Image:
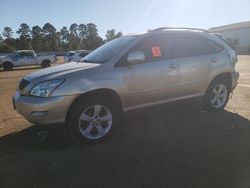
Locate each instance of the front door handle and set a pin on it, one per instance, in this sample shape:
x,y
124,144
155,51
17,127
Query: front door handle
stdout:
x,y
172,65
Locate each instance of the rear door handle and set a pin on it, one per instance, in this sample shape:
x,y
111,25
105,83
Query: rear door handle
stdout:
x,y
172,65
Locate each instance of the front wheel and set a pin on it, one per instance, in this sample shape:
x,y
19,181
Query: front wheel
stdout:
x,y
7,66
217,96
45,64
92,119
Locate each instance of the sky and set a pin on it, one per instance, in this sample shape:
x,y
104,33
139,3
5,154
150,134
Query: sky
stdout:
x,y
128,16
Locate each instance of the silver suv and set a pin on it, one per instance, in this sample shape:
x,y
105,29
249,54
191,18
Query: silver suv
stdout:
x,y
161,66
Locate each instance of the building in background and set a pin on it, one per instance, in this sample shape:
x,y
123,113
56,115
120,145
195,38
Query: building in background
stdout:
x,y
238,34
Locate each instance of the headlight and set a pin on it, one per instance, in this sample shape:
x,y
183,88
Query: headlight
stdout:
x,y
45,89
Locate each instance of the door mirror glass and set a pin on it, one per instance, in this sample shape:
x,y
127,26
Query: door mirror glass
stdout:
x,y
136,57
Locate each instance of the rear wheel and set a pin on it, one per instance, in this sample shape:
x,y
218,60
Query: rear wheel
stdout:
x,y
92,119
7,66
217,95
45,64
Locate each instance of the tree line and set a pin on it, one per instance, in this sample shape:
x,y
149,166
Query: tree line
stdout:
x,y
47,38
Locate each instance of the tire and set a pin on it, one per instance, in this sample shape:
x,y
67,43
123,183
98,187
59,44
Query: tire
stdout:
x,y
7,66
45,64
91,119
71,60
217,95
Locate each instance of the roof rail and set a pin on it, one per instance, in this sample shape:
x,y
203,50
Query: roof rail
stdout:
x,y
183,28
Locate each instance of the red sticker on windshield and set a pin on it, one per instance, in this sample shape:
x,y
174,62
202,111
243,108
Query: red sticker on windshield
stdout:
x,y
156,51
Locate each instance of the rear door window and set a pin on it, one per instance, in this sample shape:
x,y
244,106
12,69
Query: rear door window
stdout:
x,y
189,46
210,47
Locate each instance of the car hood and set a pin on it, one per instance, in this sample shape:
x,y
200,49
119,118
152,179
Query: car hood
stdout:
x,y
60,70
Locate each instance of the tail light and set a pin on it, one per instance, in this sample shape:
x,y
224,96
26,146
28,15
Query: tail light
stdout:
x,y
233,57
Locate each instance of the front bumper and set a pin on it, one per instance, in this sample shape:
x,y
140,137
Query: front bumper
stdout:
x,y
40,110
235,78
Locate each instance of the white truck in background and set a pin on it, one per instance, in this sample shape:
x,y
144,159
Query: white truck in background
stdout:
x,y
25,58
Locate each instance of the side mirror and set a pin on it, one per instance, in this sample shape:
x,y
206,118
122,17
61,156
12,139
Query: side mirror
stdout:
x,y
135,57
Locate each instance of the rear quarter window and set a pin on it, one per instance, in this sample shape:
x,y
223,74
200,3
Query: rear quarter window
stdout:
x,y
211,47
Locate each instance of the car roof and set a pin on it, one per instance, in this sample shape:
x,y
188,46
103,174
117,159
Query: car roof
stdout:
x,y
178,29
162,30
24,51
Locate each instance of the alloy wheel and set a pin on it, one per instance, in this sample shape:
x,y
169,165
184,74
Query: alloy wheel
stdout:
x,y
95,121
218,96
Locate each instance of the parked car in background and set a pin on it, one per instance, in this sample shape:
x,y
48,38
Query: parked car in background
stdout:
x,y
25,58
69,56
161,66
75,55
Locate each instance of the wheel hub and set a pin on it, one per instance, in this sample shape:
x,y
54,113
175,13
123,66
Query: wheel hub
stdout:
x,y
97,118
218,96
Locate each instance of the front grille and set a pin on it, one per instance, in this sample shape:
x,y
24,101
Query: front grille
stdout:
x,y
23,84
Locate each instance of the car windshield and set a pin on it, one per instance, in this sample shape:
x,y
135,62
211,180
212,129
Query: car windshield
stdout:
x,y
105,52
15,53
